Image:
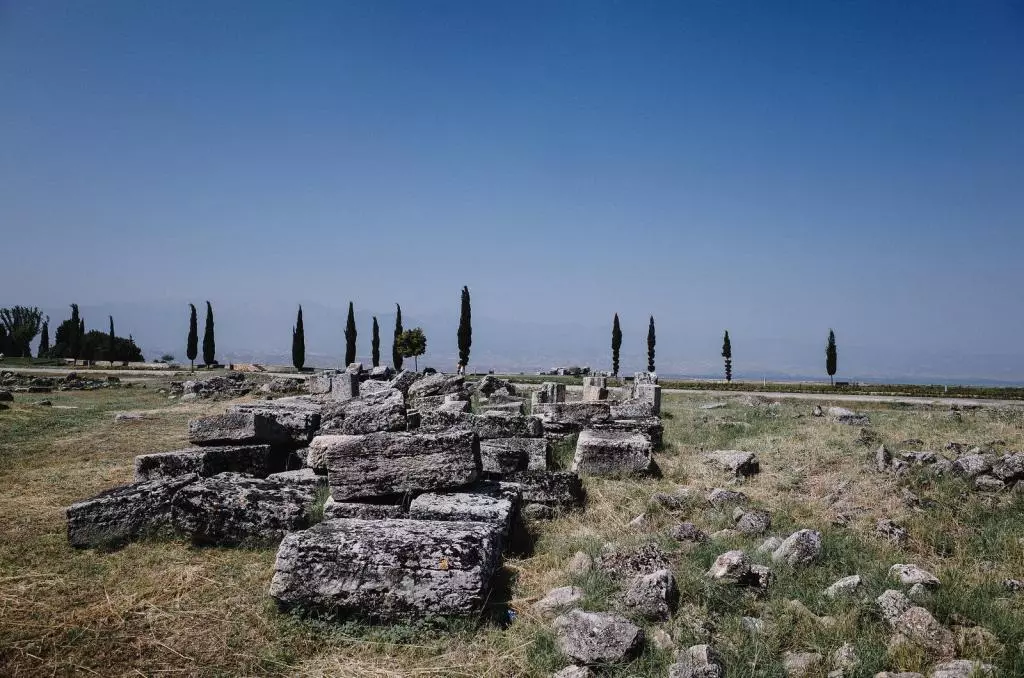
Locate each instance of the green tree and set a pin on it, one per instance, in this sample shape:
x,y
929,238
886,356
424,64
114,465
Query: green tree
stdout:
x,y
67,339
88,347
209,343
831,357
396,352
111,342
650,345
616,344
298,342
96,342
192,345
375,344
44,339
465,329
412,344
350,336
22,324
5,341
727,354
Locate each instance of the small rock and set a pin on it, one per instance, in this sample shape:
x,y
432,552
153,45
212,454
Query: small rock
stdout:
x,y
921,628
698,661
799,548
1013,585
720,497
735,461
891,604
802,664
976,641
661,640
671,502
962,668
575,672
731,567
891,531
580,563
845,660
971,465
911,574
129,416
845,587
987,483
597,637
918,593
562,597
753,625
769,545
882,458
688,532
841,415
653,596
754,522
760,577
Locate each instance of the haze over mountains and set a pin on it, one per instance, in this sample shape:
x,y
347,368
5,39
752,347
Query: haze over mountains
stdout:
x,y
261,333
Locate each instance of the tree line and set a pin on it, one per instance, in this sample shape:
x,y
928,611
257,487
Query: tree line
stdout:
x,y
20,325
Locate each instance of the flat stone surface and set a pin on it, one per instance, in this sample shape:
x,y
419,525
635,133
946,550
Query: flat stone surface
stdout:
x,y
388,569
299,417
372,413
346,509
508,455
257,460
487,426
237,428
464,507
601,453
559,598
556,489
124,513
597,637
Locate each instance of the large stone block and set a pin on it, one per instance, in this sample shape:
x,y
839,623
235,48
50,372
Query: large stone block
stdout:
x,y
487,426
335,384
650,394
257,460
649,426
633,409
300,418
512,408
602,453
595,389
231,508
554,490
570,417
388,569
508,455
124,513
549,392
436,384
464,506
365,511
383,411
384,464
237,428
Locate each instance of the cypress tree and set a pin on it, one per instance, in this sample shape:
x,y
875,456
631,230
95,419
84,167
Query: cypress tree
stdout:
x,y
192,346
111,341
209,344
84,349
375,344
616,344
831,357
396,351
465,329
727,354
298,343
75,333
350,336
650,345
44,340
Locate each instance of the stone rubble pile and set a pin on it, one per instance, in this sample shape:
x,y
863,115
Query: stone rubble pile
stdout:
x,y
982,466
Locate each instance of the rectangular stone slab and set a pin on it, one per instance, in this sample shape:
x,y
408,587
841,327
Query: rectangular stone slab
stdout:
x,y
299,418
604,453
487,426
388,569
257,460
508,455
237,428
478,508
385,464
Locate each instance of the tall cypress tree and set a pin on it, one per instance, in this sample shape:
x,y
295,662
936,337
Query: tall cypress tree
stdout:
x,y
831,357
84,347
75,334
209,344
192,346
727,354
375,344
350,336
616,344
650,345
465,329
396,351
44,340
111,341
298,343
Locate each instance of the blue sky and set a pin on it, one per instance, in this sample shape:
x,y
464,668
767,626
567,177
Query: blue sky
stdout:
x,y
772,168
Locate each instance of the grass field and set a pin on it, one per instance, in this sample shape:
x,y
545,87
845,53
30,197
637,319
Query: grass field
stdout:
x,y
167,607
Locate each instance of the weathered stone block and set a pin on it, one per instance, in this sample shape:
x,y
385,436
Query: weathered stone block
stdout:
x,y
345,509
632,409
478,508
237,428
601,453
557,490
650,394
648,426
508,455
486,426
257,460
383,411
436,384
299,418
388,569
124,513
570,417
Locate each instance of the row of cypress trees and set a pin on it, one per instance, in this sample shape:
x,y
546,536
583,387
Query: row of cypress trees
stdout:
x,y
617,344
209,343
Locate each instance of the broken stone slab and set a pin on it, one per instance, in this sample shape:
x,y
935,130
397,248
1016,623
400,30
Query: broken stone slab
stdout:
x,y
841,415
632,409
649,426
403,380
231,509
454,406
603,453
736,462
478,508
508,455
486,426
384,464
388,569
382,411
365,511
124,513
650,394
302,476
238,428
556,490
1010,467
570,417
490,383
437,384
334,385
597,637
257,460
514,408
652,596
300,418
971,465
549,392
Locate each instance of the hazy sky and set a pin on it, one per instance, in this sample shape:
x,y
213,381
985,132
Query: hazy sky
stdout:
x,y
774,168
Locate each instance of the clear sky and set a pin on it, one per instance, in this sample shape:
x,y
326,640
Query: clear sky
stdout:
x,y
772,168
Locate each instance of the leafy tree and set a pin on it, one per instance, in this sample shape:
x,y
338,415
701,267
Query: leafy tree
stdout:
x,y
209,343
465,329
831,357
96,343
298,342
350,336
727,354
22,324
192,345
375,343
44,339
165,358
616,344
396,353
650,345
412,344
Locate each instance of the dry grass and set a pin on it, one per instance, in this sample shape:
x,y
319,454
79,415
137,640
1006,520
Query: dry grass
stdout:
x,y
167,607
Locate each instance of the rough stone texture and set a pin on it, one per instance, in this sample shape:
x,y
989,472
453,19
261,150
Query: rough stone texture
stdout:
x,y
490,384
454,406
735,461
345,509
556,599
124,513
388,569
381,373
632,409
688,532
508,455
847,586
971,465
575,672
891,604
383,411
257,460
882,458
1010,467
487,426
300,418
921,628
595,389
962,668
769,545
800,548
335,385
402,381
464,507
732,567
237,428
888,529
382,464
436,384
900,674
625,563
580,563
601,453
802,664
754,522
720,497
652,596
651,427
569,417
557,490
698,661
597,637
911,574
510,408
845,661
231,508
549,392
841,415
302,476
650,394
986,483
